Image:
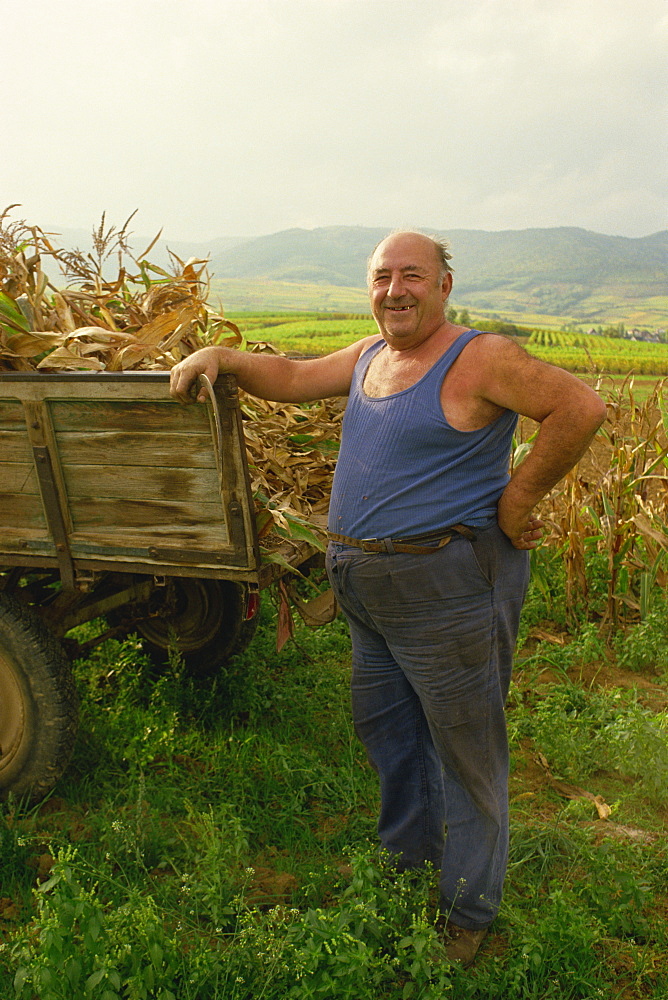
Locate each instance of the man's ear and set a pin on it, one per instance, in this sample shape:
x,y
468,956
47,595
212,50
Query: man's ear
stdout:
x,y
446,286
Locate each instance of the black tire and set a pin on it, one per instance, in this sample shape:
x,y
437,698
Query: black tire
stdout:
x,y
38,703
201,620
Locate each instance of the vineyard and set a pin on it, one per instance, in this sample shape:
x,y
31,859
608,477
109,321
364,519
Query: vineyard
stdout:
x,y
579,352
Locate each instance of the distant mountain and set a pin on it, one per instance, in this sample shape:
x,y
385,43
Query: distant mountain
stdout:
x,y
333,255
482,260
565,271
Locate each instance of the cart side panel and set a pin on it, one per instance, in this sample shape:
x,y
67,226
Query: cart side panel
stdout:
x,y
138,479
125,499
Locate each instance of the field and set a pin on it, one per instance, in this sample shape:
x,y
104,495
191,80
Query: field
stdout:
x,y
289,296
215,839
315,333
582,353
607,307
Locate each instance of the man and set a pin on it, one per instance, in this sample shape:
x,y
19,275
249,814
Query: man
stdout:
x,y
429,554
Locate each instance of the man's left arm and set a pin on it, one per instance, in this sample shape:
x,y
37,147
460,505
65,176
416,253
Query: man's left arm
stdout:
x,y
569,414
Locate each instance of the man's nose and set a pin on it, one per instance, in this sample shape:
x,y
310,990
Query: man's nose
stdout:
x,y
396,287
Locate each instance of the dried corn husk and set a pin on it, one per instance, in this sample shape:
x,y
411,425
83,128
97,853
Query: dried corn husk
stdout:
x,y
151,319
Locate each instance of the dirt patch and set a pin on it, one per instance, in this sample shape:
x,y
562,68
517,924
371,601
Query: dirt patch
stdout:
x,y
608,676
269,887
594,674
9,910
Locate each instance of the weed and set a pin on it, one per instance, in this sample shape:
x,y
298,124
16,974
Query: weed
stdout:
x,y
545,598
14,853
556,951
581,731
586,646
536,853
214,847
377,933
644,646
84,948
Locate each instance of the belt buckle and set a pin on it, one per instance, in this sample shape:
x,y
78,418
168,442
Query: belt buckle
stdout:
x,y
371,541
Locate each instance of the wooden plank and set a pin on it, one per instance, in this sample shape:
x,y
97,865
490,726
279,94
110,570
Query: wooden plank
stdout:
x,y
14,446
26,539
138,447
162,547
64,386
120,564
145,484
202,553
176,550
119,415
126,438
18,477
21,510
29,561
90,512
11,415
163,536
135,545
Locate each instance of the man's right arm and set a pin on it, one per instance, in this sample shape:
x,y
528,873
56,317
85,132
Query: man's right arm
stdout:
x,y
270,376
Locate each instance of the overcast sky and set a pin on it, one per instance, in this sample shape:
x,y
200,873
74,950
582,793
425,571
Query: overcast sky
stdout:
x,y
218,118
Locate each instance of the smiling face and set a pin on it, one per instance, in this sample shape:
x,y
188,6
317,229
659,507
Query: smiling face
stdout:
x,y
407,289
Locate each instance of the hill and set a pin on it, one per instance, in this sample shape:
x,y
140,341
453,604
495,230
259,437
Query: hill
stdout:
x,y
563,271
482,260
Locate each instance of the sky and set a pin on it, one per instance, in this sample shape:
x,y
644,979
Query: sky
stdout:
x,y
215,118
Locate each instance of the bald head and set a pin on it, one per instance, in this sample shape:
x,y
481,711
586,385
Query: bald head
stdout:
x,y
439,249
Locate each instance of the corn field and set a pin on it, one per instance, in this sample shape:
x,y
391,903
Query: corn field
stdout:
x,y
614,503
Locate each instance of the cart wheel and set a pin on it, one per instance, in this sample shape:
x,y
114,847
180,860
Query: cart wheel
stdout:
x,y
202,620
38,703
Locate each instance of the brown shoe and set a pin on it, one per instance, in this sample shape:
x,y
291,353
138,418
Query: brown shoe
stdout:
x,y
461,944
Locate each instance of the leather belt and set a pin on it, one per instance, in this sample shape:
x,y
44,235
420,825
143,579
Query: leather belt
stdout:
x,y
415,545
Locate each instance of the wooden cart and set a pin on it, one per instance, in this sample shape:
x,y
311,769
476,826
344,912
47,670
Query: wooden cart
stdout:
x,y
116,501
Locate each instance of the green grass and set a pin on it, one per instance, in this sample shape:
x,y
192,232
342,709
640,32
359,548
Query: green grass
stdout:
x,y
216,839
314,335
270,296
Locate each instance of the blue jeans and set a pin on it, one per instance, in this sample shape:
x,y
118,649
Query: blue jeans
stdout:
x,y
433,638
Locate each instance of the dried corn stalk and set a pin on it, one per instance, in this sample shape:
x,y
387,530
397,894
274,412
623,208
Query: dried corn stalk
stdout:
x,y
146,318
615,502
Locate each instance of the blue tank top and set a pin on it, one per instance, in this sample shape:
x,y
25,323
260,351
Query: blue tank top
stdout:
x,y
404,470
